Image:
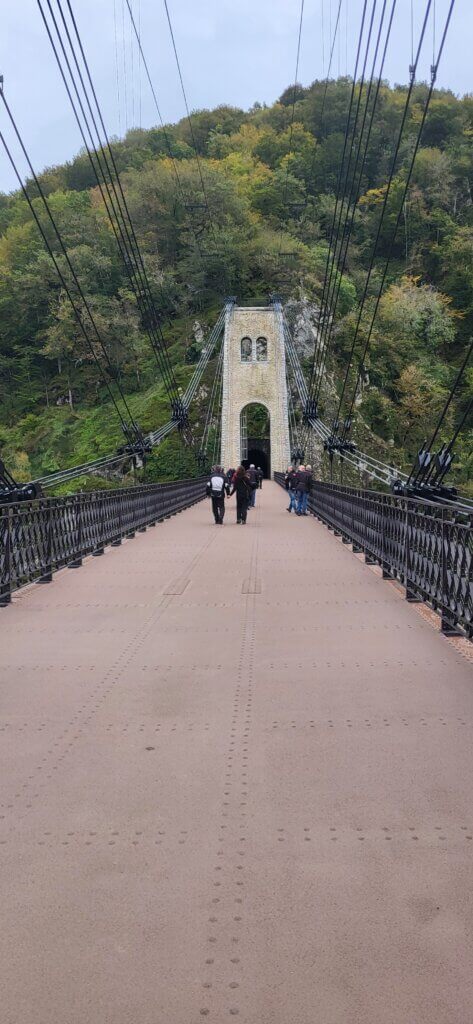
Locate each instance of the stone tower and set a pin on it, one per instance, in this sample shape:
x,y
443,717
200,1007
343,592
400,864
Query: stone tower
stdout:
x,y
254,371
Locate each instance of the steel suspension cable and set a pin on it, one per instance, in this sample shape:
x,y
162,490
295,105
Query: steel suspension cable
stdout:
x,y
399,215
354,197
116,67
139,60
446,407
340,173
163,126
64,283
76,310
151,439
115,182
132,82
339,232
293,427
383,471
125,82
211,405
327,78
189,119
206,355
111,199
217,447
291,130
387,192
119,194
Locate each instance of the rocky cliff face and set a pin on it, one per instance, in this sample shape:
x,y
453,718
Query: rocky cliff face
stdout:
x,y
302,318
198,332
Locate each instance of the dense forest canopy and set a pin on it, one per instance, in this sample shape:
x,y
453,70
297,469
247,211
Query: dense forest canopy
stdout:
x,y
269,188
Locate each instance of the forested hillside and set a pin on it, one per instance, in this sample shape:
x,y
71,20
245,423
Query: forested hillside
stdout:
x,y
270,190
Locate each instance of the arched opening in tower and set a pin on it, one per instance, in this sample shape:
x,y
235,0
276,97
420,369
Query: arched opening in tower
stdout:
x,y
255,432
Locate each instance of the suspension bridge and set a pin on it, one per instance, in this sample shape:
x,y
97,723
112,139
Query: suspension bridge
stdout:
x,y
236,765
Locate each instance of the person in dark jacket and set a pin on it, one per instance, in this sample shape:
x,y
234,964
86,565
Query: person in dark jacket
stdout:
x,y
229,477
290,480
253,478
216,487
241,486
304,480
260,475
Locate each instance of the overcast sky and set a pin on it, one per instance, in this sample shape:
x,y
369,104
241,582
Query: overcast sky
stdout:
x,y
231,51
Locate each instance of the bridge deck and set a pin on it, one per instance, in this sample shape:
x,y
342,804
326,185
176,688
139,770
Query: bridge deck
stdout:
x,y
237,781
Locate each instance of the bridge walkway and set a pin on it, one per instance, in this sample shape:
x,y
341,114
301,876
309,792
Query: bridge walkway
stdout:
x,y
236,783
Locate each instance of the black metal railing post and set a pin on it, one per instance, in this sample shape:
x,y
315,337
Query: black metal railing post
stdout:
x,y
99,549
384,561
115,543
369,559
412,594
47,575
77,560
142,526
447,621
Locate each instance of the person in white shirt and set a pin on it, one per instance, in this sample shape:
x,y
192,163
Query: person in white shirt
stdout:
x,y
216,487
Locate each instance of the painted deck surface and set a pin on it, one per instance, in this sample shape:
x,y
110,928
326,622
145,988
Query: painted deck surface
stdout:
x,y
236,783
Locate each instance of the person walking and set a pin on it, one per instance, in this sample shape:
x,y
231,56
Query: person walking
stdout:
x,y
260,475
253,478
229,477
241,486
304,480
216,487
290,481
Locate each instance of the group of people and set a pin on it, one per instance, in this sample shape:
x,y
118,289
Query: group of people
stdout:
x,y
242,482
298,483
245,482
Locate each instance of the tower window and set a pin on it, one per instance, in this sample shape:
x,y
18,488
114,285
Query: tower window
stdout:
x,y
261,350
246,350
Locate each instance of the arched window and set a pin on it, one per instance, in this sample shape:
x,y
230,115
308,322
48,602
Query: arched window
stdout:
x,y
261,350
246,350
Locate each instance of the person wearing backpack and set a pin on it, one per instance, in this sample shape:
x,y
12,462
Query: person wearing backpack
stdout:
x,y
216,487
253,478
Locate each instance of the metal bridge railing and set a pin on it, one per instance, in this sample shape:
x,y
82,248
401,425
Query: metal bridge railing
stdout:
x,y
427,546
39,537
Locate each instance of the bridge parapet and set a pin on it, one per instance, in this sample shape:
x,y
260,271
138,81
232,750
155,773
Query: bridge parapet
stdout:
x,y
427,546
39,537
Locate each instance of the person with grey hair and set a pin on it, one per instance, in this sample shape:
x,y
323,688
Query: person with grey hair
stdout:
x,y
216,487
304,480
253,478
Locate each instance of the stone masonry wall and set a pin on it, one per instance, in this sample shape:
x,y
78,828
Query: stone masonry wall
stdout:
x,y
263,382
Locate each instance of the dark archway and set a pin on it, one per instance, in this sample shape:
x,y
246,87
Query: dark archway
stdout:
x,y
260,458
255,430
